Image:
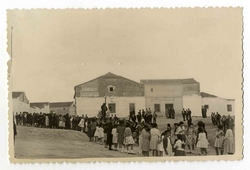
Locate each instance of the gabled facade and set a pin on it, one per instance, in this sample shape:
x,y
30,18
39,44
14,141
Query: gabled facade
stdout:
x,y
20,102
120,94
62,108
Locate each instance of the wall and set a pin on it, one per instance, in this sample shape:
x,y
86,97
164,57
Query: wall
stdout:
x,y
163,91
19,106
45,109
63,110
91,106
191,89
193,103
177,102
218,105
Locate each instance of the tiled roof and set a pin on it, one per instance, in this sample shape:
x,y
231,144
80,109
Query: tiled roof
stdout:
x,y
60,104
39,105
107,75
16,94
203,94
169,81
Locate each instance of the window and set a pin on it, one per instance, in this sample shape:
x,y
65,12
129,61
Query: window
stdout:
x,y
111,88
152,89
111,107
229,107
206,106
157,108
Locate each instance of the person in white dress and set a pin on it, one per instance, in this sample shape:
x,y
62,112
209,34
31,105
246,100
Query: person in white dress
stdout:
x,y
101,134
97,133
229,142
115,136
81,124
167,144
202,142
160,146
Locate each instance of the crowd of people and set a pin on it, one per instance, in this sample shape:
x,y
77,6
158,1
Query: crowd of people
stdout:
x,y
225,121
141,130
121,135
143,116
50,120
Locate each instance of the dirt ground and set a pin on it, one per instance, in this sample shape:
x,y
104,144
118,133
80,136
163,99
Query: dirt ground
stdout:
x,y
38,143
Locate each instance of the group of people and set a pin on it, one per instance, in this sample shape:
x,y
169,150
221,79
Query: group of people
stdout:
x,y
121,135
187,115
51,120
225,121
170,113
143,116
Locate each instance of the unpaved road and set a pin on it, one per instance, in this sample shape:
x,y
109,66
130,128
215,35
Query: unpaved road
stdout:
x,y
40,143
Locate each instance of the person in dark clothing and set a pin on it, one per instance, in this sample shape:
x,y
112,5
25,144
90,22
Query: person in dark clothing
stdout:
x,y
15,131
139,116
172,113
188,114
143,114
183,114
104,109
109,135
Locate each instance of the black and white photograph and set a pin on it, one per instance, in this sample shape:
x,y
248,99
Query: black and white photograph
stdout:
x,y
125,84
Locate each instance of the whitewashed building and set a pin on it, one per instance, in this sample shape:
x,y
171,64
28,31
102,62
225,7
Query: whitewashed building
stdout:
x,y
217,104
20,102
121,95
162,94
63,108
39,107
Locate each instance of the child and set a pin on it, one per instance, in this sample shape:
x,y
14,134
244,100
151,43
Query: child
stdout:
x,y
179,146
115,136
97,133
128,139
190,133
101,134
145,141
167,145
202,142
219,140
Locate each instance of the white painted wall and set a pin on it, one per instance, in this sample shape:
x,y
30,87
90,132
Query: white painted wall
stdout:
x,y
46,109
218,105
194,103
91,106
19,106
151,101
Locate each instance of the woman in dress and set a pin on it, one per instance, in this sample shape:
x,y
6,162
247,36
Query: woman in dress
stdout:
x,y
120,136
202,142
128,139
81,123
115,136
145,143
47,121
167,144
155,138
191,137
219,137
229,142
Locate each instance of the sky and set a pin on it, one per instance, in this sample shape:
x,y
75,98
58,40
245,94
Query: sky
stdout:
x,y
55,50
